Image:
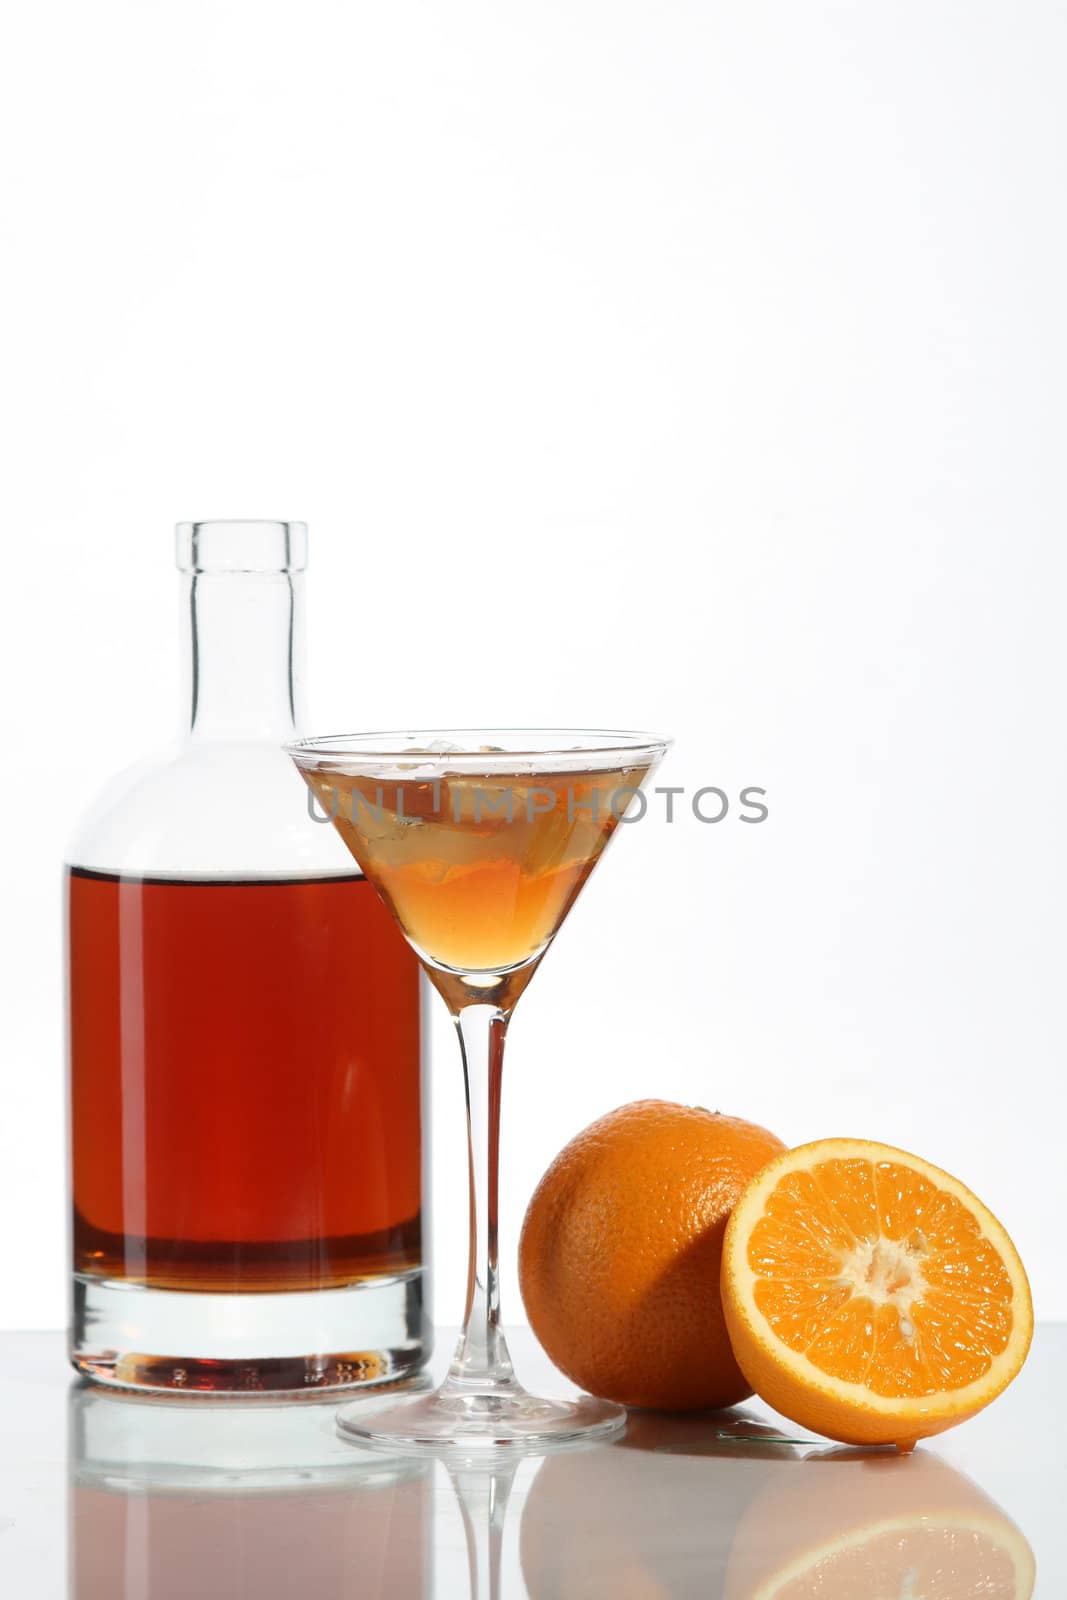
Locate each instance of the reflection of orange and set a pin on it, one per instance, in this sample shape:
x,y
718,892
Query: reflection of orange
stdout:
x,y
838,1529
673,1511
620,1252
642,1523
871,1296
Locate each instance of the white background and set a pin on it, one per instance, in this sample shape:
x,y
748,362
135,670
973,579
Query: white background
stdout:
x,y
685,365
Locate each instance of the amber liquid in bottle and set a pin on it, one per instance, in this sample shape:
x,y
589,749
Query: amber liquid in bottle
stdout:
x,y
243,1120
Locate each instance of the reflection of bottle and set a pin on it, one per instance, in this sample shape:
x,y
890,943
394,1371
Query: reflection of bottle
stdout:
x,y
245,1039
173,1502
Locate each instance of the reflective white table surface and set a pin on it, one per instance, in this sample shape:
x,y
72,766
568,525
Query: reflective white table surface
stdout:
x,y
107,1498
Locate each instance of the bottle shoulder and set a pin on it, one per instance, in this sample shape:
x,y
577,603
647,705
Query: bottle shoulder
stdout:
x,y
208,807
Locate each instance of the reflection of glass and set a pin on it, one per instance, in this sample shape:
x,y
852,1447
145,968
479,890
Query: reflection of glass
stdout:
x,y
479,844
245,1112
482,1492
216,1502
681,1508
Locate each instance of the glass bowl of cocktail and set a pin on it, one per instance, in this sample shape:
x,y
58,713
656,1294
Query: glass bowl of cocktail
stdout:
x,y
479,843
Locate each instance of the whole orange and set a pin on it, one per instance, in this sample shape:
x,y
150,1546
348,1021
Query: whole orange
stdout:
x,y
621,1249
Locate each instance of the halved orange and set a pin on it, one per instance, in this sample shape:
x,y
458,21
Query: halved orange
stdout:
x,y
870,1296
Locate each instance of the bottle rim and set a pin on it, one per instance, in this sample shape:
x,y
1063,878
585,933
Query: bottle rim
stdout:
x,y
241,545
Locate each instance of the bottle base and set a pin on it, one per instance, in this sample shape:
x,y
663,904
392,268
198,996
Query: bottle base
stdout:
x,y
168,1341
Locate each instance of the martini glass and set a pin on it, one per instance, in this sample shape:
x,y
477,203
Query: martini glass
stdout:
x,y
479,844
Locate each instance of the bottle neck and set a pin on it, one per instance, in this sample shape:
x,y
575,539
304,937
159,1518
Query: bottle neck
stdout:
x,y
244,654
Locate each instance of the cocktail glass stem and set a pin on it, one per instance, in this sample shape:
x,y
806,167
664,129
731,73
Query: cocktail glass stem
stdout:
x,y
481,1364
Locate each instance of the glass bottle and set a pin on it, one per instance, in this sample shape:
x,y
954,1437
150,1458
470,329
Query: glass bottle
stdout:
x,y
246,1072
